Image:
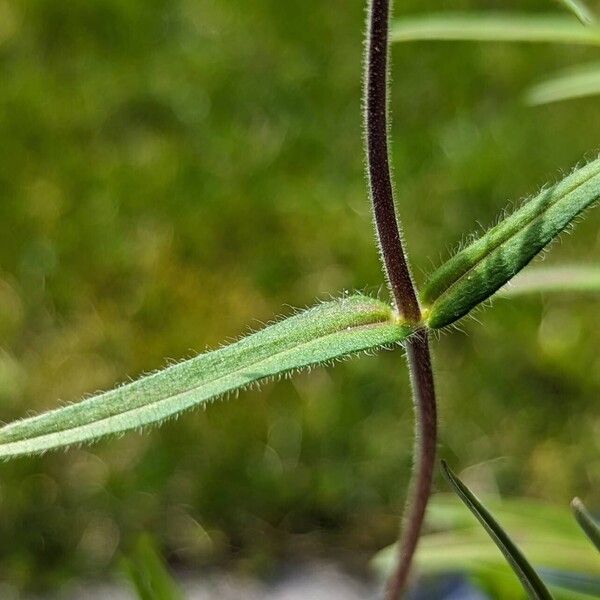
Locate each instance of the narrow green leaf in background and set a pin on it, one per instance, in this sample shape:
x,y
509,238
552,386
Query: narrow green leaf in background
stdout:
x,y
328,331
580,10
494,27
562,279
484,266
577,82
456,543
148,573
532,584
586,521
573,586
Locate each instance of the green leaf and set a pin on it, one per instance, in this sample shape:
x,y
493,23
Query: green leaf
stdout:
x,y
564,278
579,9
326,332
494,27
577,82
148,573
484,266
586,522
455,542
578,586
530,580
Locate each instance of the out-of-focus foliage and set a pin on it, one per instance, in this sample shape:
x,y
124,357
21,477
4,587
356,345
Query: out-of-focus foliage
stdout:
x,y
172,174
148,574
565,279
580,10
494,26
587,522
533,586
548,536
575,82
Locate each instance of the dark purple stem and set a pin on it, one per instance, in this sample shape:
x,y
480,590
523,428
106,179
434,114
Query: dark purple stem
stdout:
x,y
401,286
421,375
380,181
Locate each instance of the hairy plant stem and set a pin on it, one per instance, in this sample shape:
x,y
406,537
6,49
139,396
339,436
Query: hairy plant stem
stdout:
x,y
401,286
380,181
421,375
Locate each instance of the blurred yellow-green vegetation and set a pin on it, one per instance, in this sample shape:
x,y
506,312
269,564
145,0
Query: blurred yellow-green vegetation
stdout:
x,y
173,175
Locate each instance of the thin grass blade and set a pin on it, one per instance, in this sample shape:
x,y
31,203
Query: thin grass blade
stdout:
x,y
530,580
494,27
148,573
321,334
455,542
579,9
586,522
484,266
561,279
569,84
576,585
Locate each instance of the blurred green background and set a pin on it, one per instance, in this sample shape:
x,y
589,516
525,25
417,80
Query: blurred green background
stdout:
x,y
175,173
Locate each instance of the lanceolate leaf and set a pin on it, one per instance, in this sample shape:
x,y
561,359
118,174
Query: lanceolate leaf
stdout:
x,y
455,542
323,333
148,573
576,82
530,580
476,272
580,10
587,522
561,279
495,27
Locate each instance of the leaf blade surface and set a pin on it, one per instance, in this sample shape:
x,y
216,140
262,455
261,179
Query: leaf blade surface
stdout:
x,y
494,27
480,269
323,333
530,580
590,527
575,278
580,10
576,82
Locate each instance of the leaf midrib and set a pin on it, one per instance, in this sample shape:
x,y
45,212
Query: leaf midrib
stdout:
x,y
213,381
507,239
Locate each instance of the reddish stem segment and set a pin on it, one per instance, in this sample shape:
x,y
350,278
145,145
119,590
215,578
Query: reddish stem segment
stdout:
x,y
401,286
380,182
421,374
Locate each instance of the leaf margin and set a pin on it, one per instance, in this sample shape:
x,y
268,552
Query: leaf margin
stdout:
x,y
493,26
529,578
480,269
587,523
328,331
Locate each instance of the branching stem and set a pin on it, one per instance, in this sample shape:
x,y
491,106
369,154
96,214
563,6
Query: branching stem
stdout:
x,y
401,286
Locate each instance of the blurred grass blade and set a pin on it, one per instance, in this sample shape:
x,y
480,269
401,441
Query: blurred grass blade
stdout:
x,y
494,27
148,573
572,83
529,578
564,278
579,9
484,266
455,542
577,585
586,522
326,332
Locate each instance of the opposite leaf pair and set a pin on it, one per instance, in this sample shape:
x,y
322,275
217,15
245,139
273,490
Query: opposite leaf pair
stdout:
x,y
329,331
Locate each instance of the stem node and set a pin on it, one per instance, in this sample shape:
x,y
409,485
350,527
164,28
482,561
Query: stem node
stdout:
x,y
401,286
